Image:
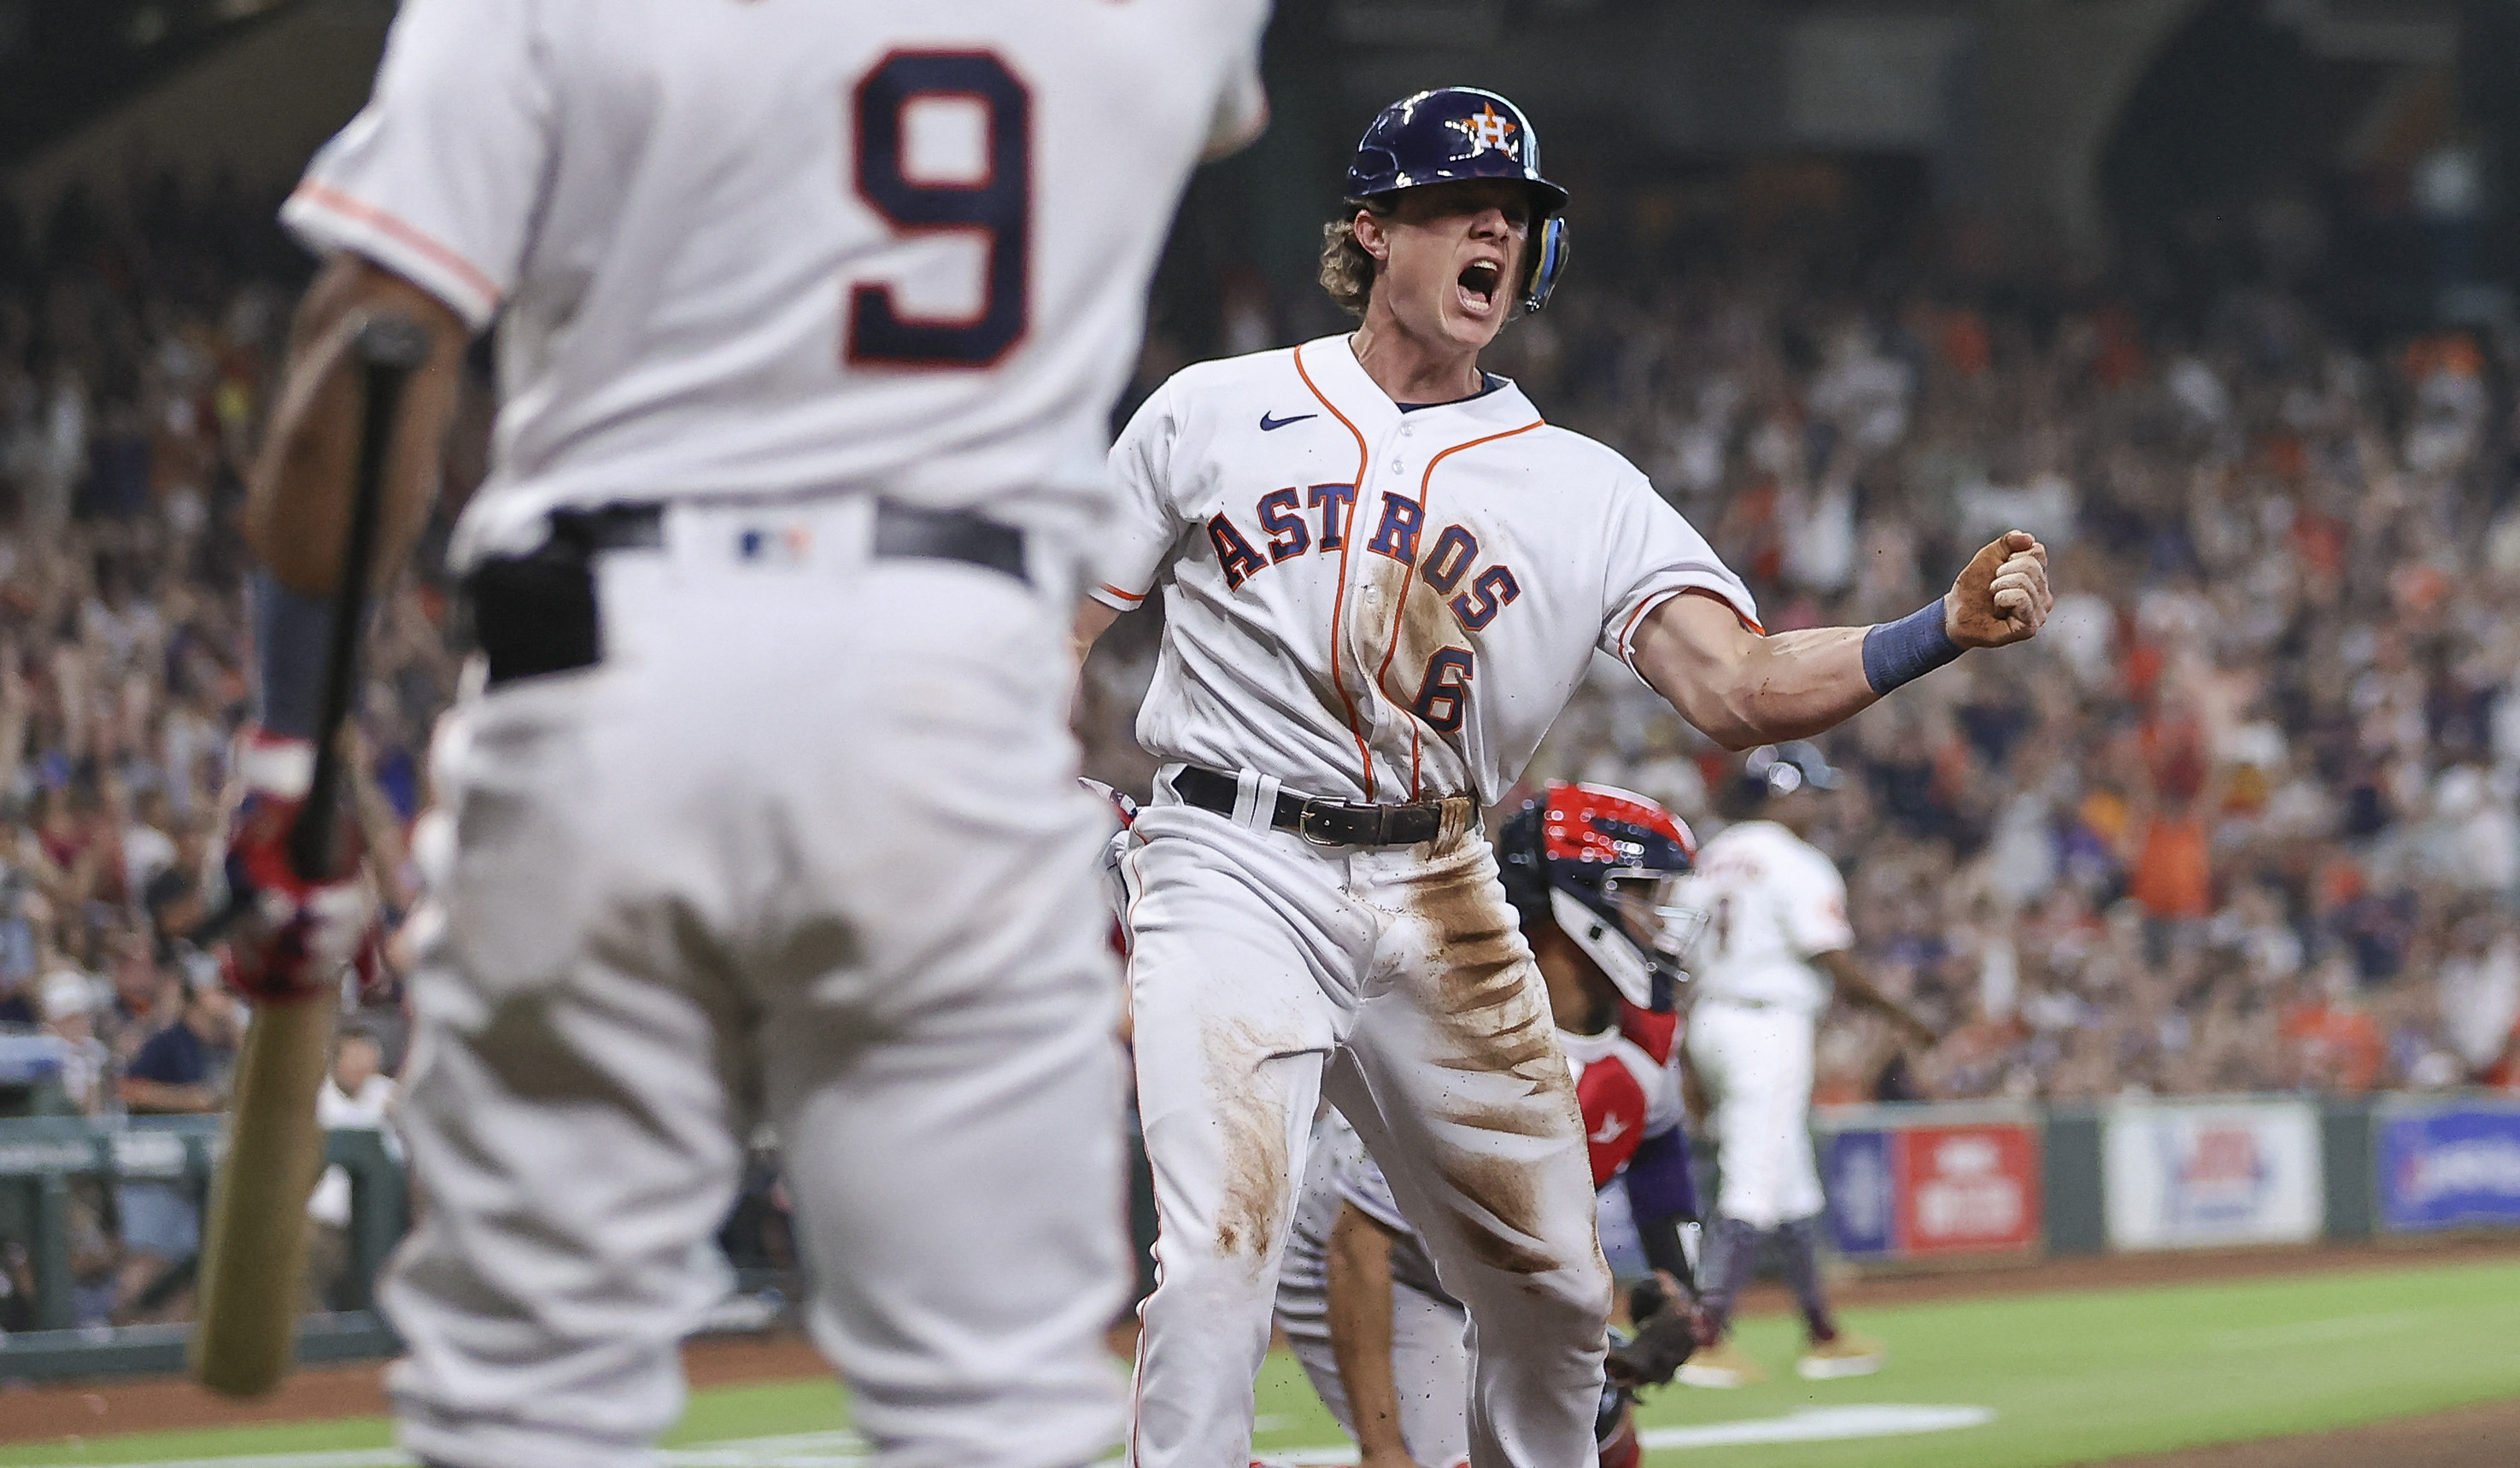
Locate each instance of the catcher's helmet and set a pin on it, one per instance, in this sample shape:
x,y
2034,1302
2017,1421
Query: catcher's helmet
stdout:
x,y
1456,133
1607,867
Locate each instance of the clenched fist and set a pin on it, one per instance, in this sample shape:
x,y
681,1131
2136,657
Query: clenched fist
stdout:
x,y
2001,597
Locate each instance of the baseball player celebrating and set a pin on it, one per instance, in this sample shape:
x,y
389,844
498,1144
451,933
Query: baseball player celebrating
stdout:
x,y
1590,871
1774,941
1382,574
812,314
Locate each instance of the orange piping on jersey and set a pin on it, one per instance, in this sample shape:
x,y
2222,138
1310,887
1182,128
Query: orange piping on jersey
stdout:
x,y
1425,488
1124,595
1627,649
1347,543
369,214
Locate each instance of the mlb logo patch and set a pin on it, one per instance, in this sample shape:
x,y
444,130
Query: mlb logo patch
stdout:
x,y
788,544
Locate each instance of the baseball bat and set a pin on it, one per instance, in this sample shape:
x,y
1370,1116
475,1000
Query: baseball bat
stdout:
x,y
253,1253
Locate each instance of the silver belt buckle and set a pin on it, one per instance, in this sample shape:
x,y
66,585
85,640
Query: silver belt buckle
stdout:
x,y
1304,814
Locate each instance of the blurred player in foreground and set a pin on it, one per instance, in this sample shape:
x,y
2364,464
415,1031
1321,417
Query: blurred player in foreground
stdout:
x,y
1775,940
1383,575
1591,873
811,318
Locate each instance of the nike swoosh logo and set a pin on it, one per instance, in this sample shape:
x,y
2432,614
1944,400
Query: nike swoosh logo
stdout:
x,y
1270,424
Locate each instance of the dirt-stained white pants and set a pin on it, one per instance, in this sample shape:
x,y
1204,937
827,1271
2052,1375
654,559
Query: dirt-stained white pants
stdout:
x,y
805,846
1267,972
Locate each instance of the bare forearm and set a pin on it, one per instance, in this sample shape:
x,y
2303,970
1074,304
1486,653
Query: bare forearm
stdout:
x,y
1743,689
1360,1314
297,507
1093,619
1791,686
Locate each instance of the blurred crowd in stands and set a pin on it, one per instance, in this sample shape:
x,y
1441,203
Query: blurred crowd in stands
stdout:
x,y
2243,819
138,345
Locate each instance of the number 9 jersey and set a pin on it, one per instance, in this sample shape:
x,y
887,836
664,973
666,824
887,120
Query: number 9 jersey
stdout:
x,y
757,247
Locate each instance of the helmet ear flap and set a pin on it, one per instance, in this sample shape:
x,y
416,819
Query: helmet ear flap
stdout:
x,y
1548,262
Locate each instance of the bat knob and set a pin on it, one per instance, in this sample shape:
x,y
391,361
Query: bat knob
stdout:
x,y
395,340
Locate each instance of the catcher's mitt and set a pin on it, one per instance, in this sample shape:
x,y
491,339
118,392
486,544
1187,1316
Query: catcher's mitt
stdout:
x,y
1666,1337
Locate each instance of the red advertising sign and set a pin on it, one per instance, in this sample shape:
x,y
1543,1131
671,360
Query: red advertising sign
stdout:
x,y
1968,1189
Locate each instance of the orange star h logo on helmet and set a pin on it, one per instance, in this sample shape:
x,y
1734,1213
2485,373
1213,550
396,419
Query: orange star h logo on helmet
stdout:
x,y
1489,128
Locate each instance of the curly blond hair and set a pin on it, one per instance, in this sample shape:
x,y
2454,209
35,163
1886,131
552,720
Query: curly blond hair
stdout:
x,y
1347,270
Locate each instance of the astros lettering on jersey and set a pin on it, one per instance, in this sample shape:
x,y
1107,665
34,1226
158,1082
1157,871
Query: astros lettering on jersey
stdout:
x,y
1351,575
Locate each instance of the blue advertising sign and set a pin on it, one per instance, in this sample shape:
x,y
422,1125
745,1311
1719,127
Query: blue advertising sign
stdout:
x,y
1863,1193
2450,1167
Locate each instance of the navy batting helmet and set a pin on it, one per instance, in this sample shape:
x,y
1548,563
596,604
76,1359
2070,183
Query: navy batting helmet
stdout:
x,y
1456,133
1607,867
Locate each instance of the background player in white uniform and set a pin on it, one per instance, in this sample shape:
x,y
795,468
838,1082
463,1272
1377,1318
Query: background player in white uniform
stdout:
x,y
1383,575
1589,870
1776,937
811,314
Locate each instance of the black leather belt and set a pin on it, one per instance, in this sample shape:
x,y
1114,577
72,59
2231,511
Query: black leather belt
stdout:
x,y
536,613
1325,822
902,532
905,532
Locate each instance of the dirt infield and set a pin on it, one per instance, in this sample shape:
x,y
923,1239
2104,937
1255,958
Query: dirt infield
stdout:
x,y
164,1404
2472,1438
2487,1436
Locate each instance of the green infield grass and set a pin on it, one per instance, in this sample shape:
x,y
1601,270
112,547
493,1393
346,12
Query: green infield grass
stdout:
x,y
2018,1380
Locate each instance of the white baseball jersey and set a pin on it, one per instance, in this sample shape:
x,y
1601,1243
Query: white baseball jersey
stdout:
x,y
1774,903
746,253
756,249
1373,603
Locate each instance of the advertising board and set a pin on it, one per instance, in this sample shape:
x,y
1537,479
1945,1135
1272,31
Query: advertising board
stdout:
x,y
1909,1188
2448,1165
2202,1174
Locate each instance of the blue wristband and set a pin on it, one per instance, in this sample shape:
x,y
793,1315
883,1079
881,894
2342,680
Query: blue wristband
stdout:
x,y
292,635
1902,652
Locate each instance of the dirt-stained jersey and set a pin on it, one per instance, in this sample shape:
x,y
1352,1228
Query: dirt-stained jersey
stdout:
x,y
749,247
1774,903
1376,603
